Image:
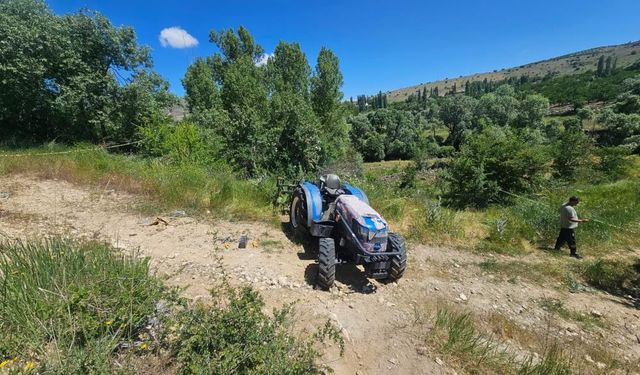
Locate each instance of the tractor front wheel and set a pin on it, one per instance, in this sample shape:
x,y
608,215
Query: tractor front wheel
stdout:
x,y
326,263
396,243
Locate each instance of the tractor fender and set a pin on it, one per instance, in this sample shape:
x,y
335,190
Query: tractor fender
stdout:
x,y
313,198
356,192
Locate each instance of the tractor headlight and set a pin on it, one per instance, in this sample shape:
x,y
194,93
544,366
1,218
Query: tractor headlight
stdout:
x,y
363,233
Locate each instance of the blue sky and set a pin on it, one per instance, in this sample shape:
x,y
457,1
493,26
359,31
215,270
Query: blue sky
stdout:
x,y
382,45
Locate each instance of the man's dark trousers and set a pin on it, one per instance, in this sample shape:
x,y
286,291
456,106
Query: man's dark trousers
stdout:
x,y
568,236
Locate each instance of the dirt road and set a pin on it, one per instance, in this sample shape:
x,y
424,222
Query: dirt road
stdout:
x,y
383,324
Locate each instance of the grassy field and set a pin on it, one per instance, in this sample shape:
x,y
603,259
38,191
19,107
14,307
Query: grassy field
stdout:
x,y
166,186
521,227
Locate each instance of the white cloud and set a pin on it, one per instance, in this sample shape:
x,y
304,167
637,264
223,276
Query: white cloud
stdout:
x,y
262,60
176,37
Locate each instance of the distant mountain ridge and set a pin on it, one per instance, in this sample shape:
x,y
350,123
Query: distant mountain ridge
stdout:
x,y
624,55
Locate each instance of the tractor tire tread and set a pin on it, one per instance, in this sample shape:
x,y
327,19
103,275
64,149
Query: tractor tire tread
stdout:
x,y
398,263
326,263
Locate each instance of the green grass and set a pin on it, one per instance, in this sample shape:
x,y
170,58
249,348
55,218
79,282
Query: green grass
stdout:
x,y
67,306
456,335
167,186
611,275
85,308
556,306
539,273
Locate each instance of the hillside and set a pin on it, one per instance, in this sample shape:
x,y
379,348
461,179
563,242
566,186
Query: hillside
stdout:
x,y
574,63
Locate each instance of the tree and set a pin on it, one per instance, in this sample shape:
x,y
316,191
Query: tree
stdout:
x,y
572,154
243,95
532,110
288,70
499,108
494,160
326,96
61,76
608,66
201,91
456,113
292,118
600,69
584,114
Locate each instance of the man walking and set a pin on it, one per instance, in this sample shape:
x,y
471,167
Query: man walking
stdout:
x,y
568,224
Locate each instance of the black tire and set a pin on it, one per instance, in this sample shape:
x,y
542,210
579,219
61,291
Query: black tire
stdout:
x,y
395,242
326,263
298,212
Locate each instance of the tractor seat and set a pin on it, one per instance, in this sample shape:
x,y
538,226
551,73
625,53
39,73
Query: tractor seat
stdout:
x,y
333,186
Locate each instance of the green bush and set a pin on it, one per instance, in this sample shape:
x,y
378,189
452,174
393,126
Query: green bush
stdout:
x,y
235,336
183,143
573,155
613,163
492,161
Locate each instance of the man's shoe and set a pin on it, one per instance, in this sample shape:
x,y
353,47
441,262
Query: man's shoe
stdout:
x,y
576,255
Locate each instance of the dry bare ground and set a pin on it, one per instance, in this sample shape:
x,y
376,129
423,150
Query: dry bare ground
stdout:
x,y
387,327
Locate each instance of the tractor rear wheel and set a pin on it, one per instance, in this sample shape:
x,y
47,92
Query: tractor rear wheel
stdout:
x,y
298,212
396,243
326,262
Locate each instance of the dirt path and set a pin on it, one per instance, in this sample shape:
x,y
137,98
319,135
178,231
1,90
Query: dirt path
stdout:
x,y
380,322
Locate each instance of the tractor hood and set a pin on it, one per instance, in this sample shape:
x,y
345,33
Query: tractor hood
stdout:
x,y
355,209
364,221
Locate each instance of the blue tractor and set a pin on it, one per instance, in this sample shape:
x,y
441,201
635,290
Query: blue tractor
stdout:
x,y
347,228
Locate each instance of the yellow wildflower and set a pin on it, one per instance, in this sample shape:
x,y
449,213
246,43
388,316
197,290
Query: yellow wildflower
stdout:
x,y
29,365
144,346
4,363
109,322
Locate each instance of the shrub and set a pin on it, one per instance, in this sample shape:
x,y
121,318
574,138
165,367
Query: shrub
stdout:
x,y
613,163
467,184
183,143
572,155
236,336
491,161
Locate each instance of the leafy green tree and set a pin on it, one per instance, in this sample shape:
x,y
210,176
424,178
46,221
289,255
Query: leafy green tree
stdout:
x,y
373,147
498,108
292,119
600,68
456,113
584,114
201,91
608,66
326,97
466,184
572,154
61,77
243,95
144,100
494,160
288,70
532,110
